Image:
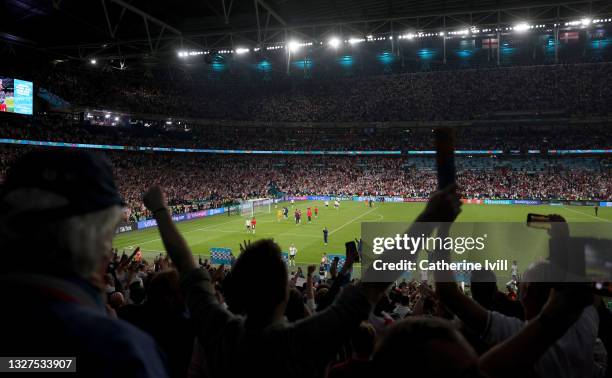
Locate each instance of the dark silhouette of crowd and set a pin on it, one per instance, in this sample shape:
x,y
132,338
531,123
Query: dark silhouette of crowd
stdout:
x,y
68,293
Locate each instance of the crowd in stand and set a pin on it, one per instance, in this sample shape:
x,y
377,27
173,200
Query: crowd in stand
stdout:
x,y
59,128
68,293
196,182
579,89
120,315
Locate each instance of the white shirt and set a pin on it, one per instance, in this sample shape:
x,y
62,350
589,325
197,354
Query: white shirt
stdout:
x,y
292,251
402,311
572,356
247,223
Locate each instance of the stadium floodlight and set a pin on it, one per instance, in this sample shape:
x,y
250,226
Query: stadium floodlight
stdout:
x,y
585,21
93,61
523,26
168,122
242,50
116,119
294,46
354,41
334,42
107,116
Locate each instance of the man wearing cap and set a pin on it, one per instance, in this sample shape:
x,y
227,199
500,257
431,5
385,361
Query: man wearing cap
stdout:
x,y
58,215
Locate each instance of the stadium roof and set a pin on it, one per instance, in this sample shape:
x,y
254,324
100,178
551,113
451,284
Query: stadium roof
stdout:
x,y
155,29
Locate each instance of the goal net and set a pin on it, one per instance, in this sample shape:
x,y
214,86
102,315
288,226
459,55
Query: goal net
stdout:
x,y
251,207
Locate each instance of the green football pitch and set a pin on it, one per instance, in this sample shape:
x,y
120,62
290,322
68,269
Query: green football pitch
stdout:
x,y
344,224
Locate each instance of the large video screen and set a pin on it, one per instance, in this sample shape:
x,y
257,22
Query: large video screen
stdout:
x,y
16,96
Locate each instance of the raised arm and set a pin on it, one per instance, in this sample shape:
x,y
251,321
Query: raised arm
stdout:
x,y
469,311
309,290
443,206
209,317
519,353
175,244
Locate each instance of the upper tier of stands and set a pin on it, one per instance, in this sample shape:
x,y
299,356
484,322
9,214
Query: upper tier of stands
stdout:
x,y
573,89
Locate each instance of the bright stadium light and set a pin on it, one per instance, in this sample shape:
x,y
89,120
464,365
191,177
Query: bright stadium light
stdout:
x,y
294,46
523,26
93,61
585,21
107,116
116,119
242,50
334,42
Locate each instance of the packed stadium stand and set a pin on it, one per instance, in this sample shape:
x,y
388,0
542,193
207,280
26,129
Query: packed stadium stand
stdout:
x,y
128,129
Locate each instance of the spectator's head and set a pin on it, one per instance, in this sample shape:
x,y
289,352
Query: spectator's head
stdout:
x,y
484,286
260,259
164,291
295,306
321,294
58,214
137,292
534,288
429,347
116,300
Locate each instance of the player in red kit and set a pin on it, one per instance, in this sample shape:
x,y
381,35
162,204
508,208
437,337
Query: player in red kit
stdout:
x,y
253,224
309,214
316,212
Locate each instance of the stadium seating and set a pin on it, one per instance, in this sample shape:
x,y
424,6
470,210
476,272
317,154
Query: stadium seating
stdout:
x,y
573,89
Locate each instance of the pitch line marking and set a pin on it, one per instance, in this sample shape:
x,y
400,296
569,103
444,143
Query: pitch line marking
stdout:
x,y
588,215
233,220
194,230
352,220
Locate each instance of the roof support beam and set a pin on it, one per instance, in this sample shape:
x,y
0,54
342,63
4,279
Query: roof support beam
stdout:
x,y
271,11
227,10
146,16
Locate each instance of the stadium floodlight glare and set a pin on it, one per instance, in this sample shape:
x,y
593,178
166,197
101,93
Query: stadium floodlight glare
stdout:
x,y
523,26
585,21
294,46
354,41
93,61
116,119
107,116
242,50
334,42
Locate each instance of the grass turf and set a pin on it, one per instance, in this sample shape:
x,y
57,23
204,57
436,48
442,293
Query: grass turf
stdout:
x,y
343,225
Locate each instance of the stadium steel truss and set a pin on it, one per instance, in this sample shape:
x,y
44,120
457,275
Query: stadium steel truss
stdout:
x,y
148,32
